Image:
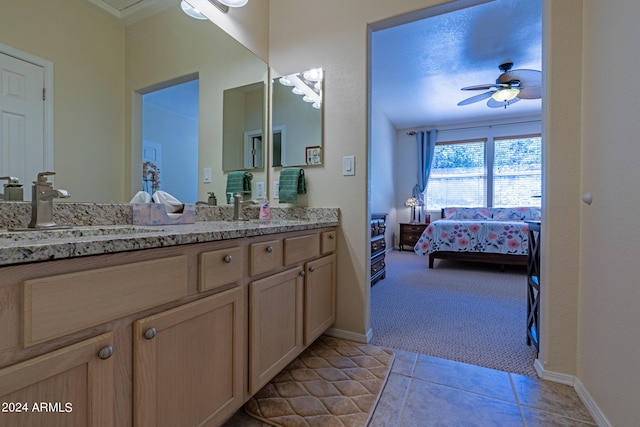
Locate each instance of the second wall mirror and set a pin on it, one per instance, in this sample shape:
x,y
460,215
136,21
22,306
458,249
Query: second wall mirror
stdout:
x,y
297,115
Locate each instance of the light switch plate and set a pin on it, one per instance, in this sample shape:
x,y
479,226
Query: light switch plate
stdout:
x,y
206,175
260,190
276,189
348,165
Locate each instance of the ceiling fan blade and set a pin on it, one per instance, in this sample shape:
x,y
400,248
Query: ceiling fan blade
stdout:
x,y
475,98
526,77
530,92
492,103
485,87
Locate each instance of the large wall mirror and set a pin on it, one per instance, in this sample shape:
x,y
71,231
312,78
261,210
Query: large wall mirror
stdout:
x,y
108,77
297,118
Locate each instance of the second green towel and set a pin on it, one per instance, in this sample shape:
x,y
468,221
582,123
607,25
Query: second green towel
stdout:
x,y
292,183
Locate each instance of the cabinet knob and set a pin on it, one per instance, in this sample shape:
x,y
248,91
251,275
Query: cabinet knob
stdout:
x,y
105,352
312,269
228,259
301,273
150,333
331,237
269,248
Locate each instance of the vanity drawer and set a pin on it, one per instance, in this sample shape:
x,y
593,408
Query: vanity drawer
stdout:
x,y
300,248
220,267
328,242
266,256
58,305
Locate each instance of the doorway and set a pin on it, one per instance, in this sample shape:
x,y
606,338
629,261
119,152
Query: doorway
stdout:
x,y
170,139
392,152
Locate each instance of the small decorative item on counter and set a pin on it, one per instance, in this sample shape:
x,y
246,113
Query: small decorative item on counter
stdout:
x,y
212,200
265,212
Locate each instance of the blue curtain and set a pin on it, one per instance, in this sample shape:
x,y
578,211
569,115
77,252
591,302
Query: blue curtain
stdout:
x,y
426,147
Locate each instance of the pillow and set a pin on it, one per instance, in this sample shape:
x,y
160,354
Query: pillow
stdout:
x,y
467,213
518,213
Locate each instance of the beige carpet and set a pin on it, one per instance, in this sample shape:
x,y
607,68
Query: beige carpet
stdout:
x,y
467,312
334,382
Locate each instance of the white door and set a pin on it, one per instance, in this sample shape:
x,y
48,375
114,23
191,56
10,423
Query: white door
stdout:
x,y
22,148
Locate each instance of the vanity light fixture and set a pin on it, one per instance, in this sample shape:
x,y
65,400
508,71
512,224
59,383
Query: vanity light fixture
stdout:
x,y
233,3
285,81
191,11
314,74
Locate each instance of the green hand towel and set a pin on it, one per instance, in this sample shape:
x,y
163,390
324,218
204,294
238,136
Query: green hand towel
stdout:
x,y
292,183
236,184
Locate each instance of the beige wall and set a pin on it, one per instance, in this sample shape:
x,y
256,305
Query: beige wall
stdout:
x,y
609,300
88,96
334,37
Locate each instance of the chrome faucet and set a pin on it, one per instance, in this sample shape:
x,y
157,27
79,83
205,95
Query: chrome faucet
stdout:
x,y
237,206
42,195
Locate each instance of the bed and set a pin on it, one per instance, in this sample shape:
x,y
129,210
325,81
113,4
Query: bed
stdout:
x,y
490,235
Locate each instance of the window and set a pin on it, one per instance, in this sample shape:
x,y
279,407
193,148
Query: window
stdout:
x,y
495,172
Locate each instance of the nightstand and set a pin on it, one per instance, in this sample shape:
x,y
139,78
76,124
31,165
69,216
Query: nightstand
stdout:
x,y
410,234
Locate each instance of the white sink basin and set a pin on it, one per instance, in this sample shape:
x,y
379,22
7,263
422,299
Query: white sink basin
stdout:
x,y
73,233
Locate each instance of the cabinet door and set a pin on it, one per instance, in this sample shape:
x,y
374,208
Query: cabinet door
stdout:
x,y
188,362
72,386
275,325
319,297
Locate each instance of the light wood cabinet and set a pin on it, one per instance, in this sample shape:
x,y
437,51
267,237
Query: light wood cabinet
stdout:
x,y
72,386
319,297
275,325
194,329
188,363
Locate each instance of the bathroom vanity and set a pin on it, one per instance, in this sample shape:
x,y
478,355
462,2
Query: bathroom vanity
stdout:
x,y
178,325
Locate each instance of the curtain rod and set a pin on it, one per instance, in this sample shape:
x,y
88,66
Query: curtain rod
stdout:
x,y
413,132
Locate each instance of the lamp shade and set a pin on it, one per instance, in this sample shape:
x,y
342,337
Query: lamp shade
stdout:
x,y
234,3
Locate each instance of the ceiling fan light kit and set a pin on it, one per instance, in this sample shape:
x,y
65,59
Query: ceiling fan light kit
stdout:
x,y
506,94
510,87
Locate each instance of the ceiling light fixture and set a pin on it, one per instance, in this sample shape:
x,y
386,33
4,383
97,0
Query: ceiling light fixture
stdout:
x,y
191,11
505,94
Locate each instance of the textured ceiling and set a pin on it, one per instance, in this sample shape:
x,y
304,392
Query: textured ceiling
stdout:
x,y
418,68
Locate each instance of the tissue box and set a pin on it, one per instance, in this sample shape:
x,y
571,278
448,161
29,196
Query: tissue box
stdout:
x,y
156,214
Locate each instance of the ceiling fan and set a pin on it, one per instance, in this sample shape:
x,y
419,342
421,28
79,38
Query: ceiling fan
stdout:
x,y
511,86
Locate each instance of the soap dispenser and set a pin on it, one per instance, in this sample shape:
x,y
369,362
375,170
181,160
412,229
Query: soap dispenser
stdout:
x,y
212,200
13,189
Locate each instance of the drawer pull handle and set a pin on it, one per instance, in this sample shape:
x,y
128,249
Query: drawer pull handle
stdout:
x,y
331,237
301,273
105,352
150,333
269,248
312,269
228,259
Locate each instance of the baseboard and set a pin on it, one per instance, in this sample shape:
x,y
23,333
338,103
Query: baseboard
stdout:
x,y
351,336
556,377
591,405
582,392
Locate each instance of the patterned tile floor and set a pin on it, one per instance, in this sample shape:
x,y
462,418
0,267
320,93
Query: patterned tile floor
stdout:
x,y
426,391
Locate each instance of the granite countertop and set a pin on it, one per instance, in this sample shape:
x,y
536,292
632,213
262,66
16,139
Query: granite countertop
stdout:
x,y
31,246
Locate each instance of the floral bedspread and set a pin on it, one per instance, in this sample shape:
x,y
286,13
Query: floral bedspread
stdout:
x,y
504,237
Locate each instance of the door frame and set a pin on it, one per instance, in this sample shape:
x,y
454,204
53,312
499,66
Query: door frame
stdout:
x,y
47,137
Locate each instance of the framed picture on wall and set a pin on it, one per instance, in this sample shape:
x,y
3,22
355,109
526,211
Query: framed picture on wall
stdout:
x,y
313,155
